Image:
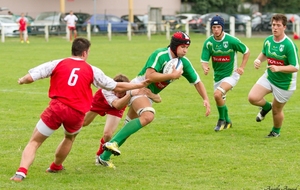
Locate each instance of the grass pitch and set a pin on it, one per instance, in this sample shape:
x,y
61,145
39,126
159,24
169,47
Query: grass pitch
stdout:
x,y
178,150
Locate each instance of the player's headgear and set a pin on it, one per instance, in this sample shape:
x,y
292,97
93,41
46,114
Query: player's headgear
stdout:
x,y
217,20
179,38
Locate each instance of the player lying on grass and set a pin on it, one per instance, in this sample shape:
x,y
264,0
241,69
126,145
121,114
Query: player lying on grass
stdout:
x,y
113,104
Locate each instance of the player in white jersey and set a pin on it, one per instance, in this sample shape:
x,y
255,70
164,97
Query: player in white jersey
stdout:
x,y
222,48
280,77
71,24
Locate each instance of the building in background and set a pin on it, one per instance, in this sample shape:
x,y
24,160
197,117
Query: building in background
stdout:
x,y
115,7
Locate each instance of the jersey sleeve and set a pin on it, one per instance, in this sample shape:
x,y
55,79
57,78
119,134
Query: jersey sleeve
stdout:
x,y
205,55
103,81
189,72
44,70
292,55
240,46
109,96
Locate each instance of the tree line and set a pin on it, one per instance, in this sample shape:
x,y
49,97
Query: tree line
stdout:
x,y
231,6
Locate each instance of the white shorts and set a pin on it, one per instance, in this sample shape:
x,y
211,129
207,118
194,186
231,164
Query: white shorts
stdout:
x,y
232,80
282,96
138,80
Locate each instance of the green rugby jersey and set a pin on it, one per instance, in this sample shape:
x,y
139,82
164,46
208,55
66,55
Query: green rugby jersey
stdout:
x,y
158,59
223,54
281,53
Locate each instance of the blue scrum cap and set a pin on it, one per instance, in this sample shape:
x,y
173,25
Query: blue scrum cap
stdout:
x,y
217,20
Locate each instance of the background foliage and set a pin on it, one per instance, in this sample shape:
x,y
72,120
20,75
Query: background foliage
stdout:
x,y
231,6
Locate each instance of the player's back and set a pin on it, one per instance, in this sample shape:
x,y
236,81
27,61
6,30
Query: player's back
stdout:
x,y
71,83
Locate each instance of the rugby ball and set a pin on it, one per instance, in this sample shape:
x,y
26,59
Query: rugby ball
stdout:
x,y
168,68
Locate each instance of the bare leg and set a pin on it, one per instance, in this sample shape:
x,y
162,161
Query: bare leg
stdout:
x,y
63,149
29,152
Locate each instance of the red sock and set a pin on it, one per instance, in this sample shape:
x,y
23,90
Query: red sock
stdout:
x,y
53,166
100,151
23,170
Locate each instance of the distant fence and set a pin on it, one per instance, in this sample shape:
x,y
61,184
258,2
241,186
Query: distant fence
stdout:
x,y
152,28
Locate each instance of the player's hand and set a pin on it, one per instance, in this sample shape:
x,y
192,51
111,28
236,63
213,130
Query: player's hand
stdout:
x,y
146,82
207,106
205,69
176,74
239,70
257,63
274,68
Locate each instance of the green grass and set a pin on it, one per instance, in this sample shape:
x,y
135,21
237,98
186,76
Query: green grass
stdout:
x,y
178,150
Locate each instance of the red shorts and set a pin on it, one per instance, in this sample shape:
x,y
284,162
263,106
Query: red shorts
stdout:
x,y
58,113
72,27
103,109
22,29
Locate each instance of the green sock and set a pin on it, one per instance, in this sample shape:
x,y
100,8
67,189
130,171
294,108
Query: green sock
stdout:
x,y
221,110
276,130
267,106
226,115
130,128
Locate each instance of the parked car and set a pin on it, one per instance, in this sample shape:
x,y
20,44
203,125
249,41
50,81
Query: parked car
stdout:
x,y
55,21
11,27
175,22
239,26
99,23
137,19
81,19
186,17
256,23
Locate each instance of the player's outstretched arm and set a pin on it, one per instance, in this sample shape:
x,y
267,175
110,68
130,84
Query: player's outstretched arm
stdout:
x,y
146,91
202,91
25,79
124,86
121,102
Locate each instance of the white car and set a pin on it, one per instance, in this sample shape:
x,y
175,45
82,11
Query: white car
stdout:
x,y
186,17
11,27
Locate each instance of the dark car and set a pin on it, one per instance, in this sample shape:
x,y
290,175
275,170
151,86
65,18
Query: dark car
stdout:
x,y
241,18
81,19
99,23
175,22
239,26
136,19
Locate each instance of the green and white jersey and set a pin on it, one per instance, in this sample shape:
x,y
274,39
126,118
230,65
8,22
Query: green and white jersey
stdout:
x,y
157,61
223,53
281,53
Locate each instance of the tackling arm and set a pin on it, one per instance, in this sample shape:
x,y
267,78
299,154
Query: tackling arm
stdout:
x,y
25,79
155,97
121,102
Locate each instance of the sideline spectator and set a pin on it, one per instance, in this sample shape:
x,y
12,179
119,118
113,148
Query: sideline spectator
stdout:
x,y
22,21
71,24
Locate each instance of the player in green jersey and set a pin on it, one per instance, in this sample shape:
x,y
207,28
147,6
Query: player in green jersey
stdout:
x,y
141,112
280,77
222,48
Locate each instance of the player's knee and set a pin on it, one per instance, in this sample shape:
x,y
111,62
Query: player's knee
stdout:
x,y
146,115
220,93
